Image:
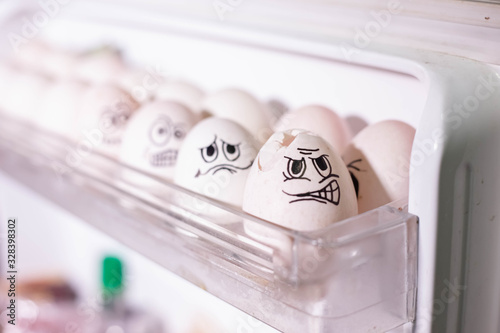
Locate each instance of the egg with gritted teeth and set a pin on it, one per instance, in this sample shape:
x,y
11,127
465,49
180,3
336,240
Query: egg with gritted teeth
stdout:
x,y
378,159
300,182
153,136
215,159
102,116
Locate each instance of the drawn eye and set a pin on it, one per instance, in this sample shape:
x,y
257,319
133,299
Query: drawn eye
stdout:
x,y
107,120
322,165
232,152
179,132
160,132
209,154
296,168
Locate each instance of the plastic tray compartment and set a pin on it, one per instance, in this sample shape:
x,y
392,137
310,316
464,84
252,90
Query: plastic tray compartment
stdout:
x,y
358,275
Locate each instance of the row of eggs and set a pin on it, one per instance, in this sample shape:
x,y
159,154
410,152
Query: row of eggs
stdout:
x,y
303,170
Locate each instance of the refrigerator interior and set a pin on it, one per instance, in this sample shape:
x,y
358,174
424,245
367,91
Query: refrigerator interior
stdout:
x,y
379,82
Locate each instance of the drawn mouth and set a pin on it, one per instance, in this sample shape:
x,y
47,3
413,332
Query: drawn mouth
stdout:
x,y
165,158
329,193
228,167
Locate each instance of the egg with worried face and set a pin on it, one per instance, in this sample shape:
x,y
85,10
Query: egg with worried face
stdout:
x,y
300,182
215,160
153,136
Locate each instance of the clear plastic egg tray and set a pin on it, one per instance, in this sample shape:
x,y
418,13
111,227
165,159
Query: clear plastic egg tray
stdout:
x,y
358,275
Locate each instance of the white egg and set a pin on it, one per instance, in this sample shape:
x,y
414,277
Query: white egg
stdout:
x,y
298,181
60,107
215,159
242,108
60,64
102,116
100,66
378,158
320,120
139,83
153,136
24,94
181,92
33,56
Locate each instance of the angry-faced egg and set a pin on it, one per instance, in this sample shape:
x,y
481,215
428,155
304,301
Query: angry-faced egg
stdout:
x,y
378,159
300,182
215,159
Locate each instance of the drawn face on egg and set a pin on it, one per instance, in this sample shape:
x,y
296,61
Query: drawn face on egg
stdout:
x,y
300,182
314,171
165,136
105,109
154,135
222,156
215,159
113,120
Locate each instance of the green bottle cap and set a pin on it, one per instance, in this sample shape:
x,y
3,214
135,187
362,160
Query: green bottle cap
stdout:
x,y
112,275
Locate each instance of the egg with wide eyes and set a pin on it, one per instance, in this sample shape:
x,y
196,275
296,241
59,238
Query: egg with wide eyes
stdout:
x,y
242,108
378,159
215,160
101,119
153,136
319,120
300,182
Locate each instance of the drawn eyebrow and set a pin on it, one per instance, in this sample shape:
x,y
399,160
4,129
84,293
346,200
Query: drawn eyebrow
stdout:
x,y
306,151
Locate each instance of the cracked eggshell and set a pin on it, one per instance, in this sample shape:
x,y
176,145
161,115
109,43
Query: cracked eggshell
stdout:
x,y
215,159
242,108
378,158
102,116
153,137
182,92
320,120
299,181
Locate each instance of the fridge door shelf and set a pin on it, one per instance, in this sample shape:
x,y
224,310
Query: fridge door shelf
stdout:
x,y
356,275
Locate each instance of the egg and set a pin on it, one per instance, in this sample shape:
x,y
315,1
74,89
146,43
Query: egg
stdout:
x,y
60,64
24,94
59,107
320,120
378,159
242,108
215,159
102,116
153,136
181,92
100,66
299,181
